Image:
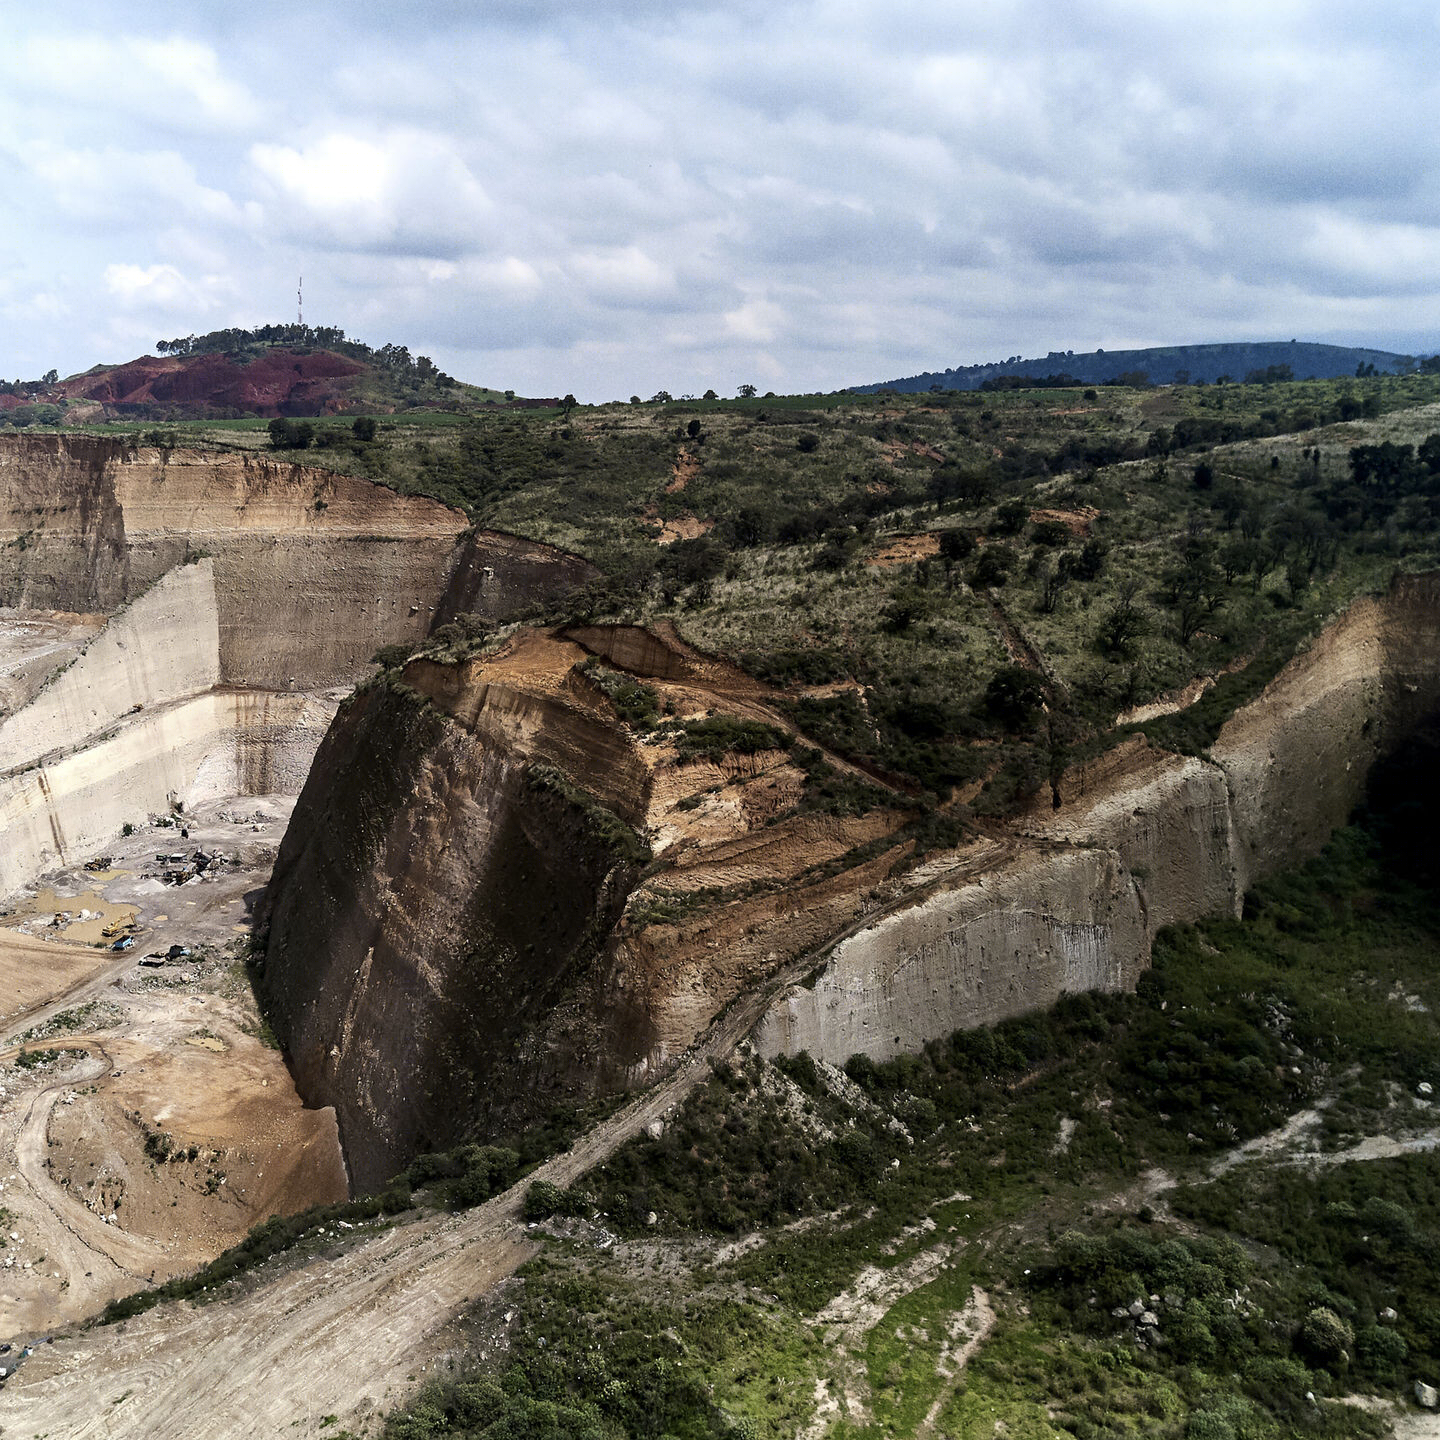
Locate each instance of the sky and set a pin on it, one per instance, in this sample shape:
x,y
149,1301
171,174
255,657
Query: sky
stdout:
x,y
612,198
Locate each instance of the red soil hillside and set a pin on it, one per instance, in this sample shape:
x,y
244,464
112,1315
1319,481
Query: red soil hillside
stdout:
x,y
279,382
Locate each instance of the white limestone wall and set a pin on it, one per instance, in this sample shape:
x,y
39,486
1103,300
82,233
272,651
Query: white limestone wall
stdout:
x,y
164,647
212,745
1040,927
1169,820
1165,838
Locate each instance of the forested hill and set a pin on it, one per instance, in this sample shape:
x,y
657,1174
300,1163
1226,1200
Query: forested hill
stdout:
x,y
1164,365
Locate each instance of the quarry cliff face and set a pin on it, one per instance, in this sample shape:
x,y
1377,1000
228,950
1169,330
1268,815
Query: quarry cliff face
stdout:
x,y
1171,838
454,944
437,921
461,928
313,571
231,596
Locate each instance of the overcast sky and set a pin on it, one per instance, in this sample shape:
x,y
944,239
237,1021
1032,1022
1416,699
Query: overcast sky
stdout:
x,y
615,196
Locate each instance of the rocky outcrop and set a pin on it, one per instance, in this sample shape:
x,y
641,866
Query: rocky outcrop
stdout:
x,y
438,917
313,571
1033,929
1173,837
164,647
496,576
451,947
459,930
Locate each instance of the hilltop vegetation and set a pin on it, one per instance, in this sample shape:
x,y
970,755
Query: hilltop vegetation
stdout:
x,y
1163,365
284,370
959,592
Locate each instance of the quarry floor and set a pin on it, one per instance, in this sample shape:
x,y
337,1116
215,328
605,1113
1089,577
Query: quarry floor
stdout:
x,y
166,1127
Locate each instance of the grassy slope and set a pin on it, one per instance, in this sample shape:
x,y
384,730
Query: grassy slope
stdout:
x,y
797,495
1240,1025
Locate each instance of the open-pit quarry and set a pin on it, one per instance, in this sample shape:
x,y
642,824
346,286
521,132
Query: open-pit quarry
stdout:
x,y
489,892
176,631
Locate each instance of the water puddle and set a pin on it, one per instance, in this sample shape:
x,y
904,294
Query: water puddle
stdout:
x,y
85,919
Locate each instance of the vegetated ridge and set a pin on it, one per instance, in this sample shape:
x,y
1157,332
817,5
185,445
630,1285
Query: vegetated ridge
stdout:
x,y
271,371
1163,365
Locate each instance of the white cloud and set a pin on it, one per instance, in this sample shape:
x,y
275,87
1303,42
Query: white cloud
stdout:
x,y
625,276
758,320
105,185
405,191
176,81
625,194
162,289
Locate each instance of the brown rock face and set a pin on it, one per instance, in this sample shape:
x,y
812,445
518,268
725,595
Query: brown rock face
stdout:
x,y
313,571
279,382
459,932
452,946
437,923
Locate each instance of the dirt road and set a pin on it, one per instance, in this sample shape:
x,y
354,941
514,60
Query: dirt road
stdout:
x,y
344,1337
341,1337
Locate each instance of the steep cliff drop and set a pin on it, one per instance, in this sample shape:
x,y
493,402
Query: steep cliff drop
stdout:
x,y
439,911
176,630
463,928
235,594
451,944
1169,838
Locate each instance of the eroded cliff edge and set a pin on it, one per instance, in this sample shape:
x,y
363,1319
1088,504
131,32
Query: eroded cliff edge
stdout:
x,y
439,911
457,937
1170,838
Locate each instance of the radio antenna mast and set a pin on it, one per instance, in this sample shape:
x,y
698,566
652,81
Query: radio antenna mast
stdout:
x,y
300,301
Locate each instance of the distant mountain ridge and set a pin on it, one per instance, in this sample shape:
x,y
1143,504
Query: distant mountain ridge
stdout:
x,y
1162,365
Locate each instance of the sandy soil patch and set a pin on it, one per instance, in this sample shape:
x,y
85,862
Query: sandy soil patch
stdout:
x,y
35,971
685,469
1167,704
906,550
683,527
156,1141
1077,522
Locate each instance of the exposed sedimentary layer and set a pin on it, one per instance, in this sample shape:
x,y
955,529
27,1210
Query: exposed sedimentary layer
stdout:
x,y
446,951
228,581
313,571
1183,837
449,950
223,742
1040,926
497,575
461,987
